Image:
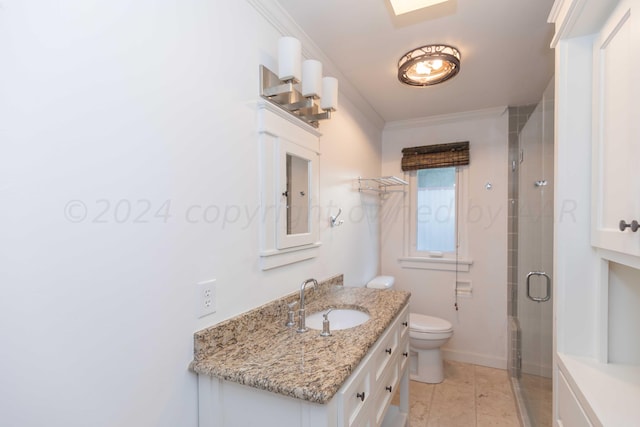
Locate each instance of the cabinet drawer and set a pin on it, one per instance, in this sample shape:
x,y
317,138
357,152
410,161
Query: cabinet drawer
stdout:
x,y
403,357
386,350
353,399
403,326
384,393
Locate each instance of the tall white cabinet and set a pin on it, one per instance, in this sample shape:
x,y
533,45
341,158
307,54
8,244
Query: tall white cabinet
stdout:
x,y
597,266
616,131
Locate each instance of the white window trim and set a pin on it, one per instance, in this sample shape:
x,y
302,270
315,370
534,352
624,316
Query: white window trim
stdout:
x,y
421,263
412,258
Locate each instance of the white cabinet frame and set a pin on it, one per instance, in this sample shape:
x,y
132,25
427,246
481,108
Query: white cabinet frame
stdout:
x,y
278,134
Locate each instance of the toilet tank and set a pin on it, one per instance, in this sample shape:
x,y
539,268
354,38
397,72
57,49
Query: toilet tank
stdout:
x,y
381,282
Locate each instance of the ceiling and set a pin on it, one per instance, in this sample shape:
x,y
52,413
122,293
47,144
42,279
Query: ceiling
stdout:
x,y
506,59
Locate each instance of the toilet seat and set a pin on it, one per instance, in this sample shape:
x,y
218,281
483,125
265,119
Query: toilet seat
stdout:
x,y
424,325
430,336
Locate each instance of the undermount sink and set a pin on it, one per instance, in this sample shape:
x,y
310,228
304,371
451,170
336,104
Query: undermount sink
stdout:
x,y
339,318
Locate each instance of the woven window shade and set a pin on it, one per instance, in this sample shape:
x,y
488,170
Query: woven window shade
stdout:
x,y
435,156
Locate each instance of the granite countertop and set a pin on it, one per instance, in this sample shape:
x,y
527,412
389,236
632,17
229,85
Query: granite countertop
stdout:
x,y
258,350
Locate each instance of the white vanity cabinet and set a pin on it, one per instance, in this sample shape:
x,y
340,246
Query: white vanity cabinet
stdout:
x,y
362,401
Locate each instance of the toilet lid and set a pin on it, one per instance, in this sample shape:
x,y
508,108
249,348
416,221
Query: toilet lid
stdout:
x,y
424,323
381,282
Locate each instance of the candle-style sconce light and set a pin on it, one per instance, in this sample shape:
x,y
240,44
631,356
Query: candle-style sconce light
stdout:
x,y
299,87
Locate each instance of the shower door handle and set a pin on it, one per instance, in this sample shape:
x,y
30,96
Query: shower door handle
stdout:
x,y
547,297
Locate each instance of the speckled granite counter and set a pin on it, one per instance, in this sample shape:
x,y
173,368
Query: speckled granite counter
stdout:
x,y
258,350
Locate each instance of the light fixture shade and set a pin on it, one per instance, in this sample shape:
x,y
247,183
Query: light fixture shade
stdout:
x,y
312,79
429,65
289,59
329,100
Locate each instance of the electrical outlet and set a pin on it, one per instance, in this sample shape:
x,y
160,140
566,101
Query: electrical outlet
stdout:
x,y
206,297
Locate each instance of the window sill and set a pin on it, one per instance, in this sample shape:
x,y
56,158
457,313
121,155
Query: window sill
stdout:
x,y
423,263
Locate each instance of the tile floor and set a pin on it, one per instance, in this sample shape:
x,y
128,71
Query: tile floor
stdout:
x,y
539,391
470,396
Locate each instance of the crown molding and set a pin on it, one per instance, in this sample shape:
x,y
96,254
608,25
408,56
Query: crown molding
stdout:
x,y
558,5
564,15
275,15
576,18
446,118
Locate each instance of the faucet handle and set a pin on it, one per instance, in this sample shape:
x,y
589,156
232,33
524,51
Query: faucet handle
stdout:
x,y
290,314
326,329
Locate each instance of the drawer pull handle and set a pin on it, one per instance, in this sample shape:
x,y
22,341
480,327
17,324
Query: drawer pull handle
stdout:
x,y
388,350
405,324
360,396
634,225
389,388
405,354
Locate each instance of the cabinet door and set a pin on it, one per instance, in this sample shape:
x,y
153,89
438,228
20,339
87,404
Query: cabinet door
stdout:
x,y
353,399
616,130
570,413
384,393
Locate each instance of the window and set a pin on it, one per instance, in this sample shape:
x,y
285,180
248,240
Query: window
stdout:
x,y
436,210
436,231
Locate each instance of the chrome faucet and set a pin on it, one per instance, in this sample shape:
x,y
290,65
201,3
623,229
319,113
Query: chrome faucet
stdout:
x,y
302,327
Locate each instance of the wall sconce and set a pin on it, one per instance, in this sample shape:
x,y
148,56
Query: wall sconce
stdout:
x,y
429,65
298,86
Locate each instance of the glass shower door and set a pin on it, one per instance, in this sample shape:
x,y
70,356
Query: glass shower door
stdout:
x,y
535,262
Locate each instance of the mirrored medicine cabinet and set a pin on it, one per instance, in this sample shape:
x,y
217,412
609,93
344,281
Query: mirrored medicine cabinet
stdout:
x,y
289,201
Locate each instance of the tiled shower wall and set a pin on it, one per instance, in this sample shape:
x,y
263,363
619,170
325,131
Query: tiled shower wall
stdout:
x,y
518,117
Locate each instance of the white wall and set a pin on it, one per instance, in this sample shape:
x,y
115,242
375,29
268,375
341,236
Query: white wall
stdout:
x,y
147,104
480,325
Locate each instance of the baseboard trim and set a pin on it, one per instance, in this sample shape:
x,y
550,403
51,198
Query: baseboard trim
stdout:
x,y
474,358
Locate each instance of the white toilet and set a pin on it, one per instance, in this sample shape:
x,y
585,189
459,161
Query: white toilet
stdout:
x,y
426,335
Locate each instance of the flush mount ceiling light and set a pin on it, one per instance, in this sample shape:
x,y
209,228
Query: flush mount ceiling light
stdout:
x,y
405,6
429,65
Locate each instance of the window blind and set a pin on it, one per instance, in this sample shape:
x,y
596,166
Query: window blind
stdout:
x,y
435,156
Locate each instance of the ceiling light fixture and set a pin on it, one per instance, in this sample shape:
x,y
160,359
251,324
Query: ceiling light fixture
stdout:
x,y
405,6
429,65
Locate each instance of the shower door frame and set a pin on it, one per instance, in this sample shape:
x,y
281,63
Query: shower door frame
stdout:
x,y
530,275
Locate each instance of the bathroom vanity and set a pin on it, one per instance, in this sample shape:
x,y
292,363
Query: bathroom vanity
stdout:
x,y
253,370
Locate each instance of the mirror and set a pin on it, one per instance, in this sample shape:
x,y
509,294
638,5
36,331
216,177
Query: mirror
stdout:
x,y
297,194
298,185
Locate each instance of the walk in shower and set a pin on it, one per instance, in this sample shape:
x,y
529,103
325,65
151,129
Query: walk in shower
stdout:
x,y
530,276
